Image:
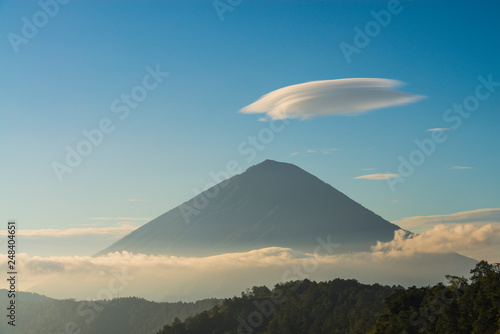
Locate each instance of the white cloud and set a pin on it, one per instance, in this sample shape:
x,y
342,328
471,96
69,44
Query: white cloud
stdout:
x,y
331,97
438,129
378,176
119,218
72,241
174,278
324,151
479,226
461,167
477,217
111,231
329,150
467,239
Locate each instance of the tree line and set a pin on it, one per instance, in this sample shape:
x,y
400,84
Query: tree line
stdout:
x,y
463,305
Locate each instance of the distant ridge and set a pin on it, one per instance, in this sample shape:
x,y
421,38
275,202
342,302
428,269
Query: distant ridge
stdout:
x,y
24,296
270,204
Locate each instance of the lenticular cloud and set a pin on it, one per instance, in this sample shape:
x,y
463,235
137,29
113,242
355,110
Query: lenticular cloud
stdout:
x,y
331,97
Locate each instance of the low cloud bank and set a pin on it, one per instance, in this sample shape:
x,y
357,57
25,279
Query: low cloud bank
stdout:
x,y
461,238
420,260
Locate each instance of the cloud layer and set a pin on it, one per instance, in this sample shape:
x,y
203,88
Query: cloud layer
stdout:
x,y
378,176
118,231
331,97
176,278
442,239
73,241
438,129
119,218
476,217
421,260
473,233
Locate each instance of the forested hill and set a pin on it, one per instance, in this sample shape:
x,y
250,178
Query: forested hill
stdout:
x,y
25,296
338,306
345,306
462,307
43,315
334,307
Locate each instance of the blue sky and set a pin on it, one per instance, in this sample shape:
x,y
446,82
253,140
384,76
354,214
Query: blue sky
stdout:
x,y
65,78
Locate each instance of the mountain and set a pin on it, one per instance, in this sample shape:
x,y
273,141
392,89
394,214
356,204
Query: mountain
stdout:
x,y
270,204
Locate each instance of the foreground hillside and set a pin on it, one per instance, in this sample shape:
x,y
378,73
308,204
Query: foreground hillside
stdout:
x,y
118,316
346,306
462,307
338,306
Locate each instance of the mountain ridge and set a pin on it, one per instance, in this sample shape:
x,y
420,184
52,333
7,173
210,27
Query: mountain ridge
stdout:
x,y
270,204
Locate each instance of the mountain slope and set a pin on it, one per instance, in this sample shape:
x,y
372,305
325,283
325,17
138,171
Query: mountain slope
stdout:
x,y
270,204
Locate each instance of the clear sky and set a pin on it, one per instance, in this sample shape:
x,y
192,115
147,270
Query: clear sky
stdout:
x,y
69,74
